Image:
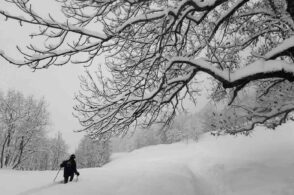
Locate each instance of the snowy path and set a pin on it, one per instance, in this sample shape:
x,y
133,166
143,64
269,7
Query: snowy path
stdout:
x,y
259,165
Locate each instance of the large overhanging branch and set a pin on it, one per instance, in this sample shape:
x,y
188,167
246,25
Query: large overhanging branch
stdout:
x,y
260,69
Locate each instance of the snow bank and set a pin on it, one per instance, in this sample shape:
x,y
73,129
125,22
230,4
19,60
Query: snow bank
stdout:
x,y
262,164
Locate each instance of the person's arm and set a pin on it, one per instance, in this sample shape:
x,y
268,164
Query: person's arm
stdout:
x,y
62,164
75,168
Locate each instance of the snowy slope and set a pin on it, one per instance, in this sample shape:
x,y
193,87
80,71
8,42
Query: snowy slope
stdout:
x,y
262,164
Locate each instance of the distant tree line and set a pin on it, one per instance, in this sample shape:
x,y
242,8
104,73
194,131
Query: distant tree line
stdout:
x,y
185,127
25,144
50,154
91,153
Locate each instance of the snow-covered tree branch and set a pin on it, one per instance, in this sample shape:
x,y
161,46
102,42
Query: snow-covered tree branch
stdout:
x,y
156,50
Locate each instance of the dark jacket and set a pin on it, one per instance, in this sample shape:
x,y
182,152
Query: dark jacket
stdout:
x,y
70,167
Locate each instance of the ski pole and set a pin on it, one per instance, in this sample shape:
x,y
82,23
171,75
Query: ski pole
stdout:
x,y
57,174
77,178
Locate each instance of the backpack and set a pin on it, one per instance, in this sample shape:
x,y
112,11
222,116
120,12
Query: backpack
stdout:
x,y
68,164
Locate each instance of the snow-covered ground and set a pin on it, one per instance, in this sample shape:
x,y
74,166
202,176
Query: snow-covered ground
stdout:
x,y
262,164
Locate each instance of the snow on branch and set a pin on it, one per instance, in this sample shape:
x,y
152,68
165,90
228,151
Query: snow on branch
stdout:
x,y
258,70
286,45
40,60
51,23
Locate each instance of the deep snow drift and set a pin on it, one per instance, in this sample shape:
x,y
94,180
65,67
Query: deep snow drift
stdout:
x,y
262,164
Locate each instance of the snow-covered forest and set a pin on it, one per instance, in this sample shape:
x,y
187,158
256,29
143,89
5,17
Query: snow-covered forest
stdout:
x,y
160,77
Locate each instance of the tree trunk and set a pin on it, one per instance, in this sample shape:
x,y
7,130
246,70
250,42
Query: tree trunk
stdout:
x,y
8,155
290,8
2,152
21,147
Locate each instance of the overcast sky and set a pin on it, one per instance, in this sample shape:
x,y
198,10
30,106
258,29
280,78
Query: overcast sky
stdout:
x,y
57,85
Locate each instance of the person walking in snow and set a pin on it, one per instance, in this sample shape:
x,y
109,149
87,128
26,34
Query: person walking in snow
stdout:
x,y
70,168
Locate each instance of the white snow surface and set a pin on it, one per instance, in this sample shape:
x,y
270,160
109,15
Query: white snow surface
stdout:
x,y
260,164
285,45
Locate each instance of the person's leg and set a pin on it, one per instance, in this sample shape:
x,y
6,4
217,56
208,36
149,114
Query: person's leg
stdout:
x,y
65,179
71,177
